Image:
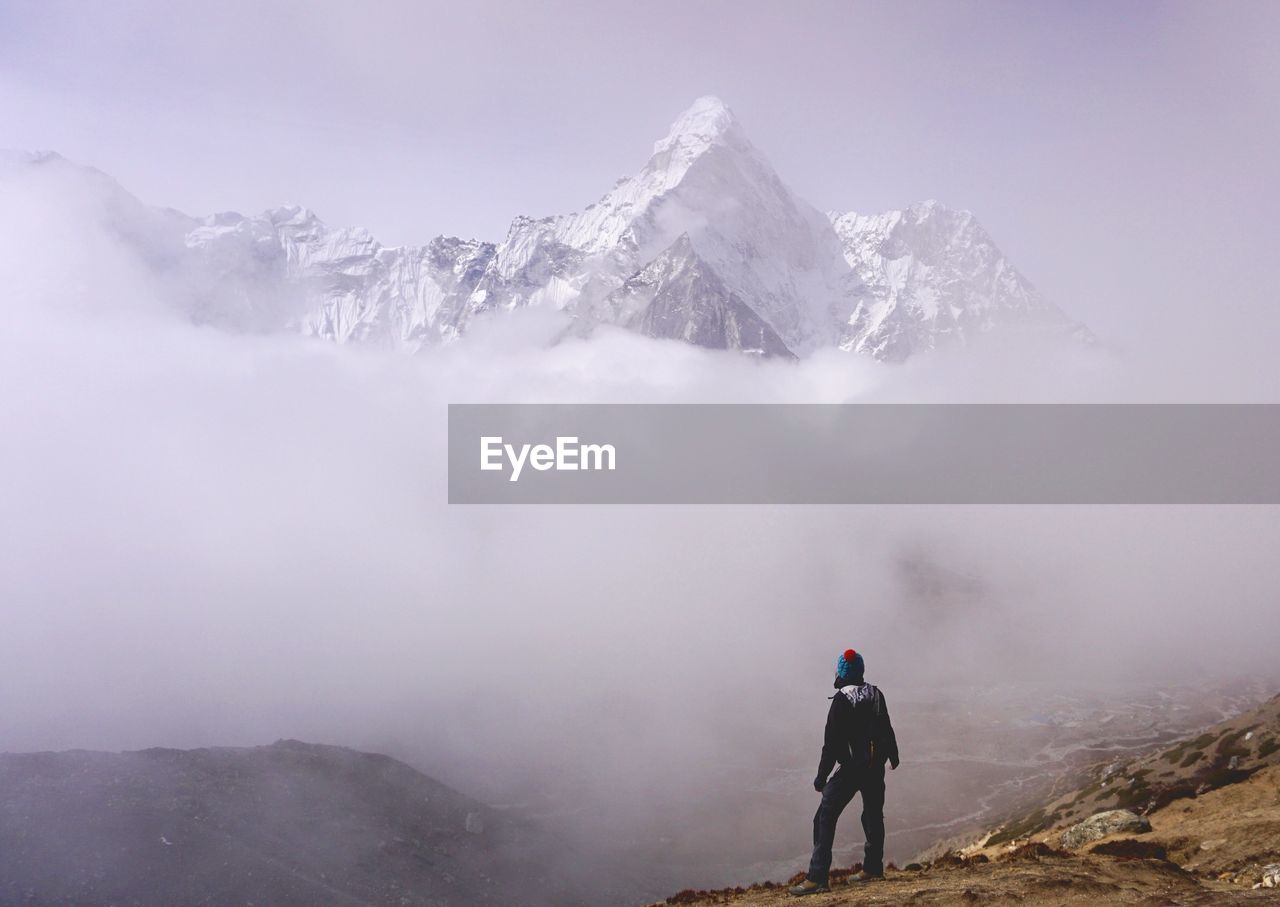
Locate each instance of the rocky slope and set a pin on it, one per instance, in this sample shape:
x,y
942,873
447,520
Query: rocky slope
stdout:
x,y
1225,754
287,824
1192,822
704,244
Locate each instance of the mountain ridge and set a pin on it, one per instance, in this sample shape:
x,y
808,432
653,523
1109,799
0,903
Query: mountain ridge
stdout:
x,y
787,279
291,823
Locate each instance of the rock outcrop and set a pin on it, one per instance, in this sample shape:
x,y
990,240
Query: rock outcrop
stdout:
x,y
1271,876
1096,827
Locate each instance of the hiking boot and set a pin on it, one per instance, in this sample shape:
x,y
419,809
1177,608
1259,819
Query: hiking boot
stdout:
x,y
865,876
808,886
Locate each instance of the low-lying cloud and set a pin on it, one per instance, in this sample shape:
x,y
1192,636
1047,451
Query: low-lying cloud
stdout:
x,y
215,538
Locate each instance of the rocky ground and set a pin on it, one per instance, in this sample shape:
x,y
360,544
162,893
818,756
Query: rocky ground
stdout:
x,y
1031,875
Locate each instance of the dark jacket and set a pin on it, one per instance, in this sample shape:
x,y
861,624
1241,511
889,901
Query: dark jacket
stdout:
x,y
859,733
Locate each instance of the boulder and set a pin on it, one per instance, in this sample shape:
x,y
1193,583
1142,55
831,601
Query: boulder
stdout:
x,y
1271,875
1097,826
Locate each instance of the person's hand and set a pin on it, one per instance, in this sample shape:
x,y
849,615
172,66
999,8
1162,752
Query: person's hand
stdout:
x,y
819,783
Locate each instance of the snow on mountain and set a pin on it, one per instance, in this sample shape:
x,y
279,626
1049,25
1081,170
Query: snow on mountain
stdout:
x,y
680,297
286,270
928,276
704,244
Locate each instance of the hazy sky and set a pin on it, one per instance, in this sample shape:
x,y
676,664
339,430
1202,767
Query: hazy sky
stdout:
x,y
1114,150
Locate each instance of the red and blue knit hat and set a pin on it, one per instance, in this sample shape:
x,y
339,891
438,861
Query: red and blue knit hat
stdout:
x,y
850,666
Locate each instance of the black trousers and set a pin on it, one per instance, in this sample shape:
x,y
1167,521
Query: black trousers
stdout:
x,y
835,797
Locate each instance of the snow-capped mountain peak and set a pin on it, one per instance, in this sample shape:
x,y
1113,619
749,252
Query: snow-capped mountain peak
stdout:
x,y
706,123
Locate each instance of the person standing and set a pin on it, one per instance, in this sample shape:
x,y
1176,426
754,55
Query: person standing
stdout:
x,y
859,739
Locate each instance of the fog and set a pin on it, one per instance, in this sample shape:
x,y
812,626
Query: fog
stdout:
x,y
213,538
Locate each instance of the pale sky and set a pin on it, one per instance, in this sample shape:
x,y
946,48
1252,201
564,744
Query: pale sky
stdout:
x,y
1121,154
